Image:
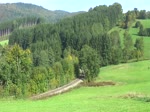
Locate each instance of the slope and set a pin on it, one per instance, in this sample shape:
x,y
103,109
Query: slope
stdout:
x,y
17,10
131,94
134,33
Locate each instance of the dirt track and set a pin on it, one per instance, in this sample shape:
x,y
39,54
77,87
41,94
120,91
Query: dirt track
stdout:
x,y
57,90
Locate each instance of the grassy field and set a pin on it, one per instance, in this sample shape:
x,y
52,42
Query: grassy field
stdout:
x,y
134,33
130,94
4,42
146,23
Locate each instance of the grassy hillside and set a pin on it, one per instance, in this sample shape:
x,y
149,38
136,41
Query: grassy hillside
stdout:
x,y
17,10
134,33
130,94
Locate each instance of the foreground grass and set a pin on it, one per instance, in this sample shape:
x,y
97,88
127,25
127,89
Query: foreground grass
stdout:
x,y
130,78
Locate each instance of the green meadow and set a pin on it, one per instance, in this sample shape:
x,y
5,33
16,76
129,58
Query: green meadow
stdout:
x,y
134,33
130,94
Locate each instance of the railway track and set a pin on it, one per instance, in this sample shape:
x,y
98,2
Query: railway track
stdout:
x,y
56,91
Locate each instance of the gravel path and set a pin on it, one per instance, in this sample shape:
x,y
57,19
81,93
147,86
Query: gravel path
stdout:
x,y
56,91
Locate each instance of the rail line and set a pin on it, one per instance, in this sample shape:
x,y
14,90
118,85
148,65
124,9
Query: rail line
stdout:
x,y
56,91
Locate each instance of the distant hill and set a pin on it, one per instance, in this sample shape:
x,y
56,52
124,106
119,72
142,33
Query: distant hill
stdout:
x,y
18,10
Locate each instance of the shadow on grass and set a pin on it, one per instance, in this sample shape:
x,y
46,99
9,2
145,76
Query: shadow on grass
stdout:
x,y
136,96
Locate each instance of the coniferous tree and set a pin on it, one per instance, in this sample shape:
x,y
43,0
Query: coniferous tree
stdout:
x,y
139,45
89,63
106,50
128,47
116,49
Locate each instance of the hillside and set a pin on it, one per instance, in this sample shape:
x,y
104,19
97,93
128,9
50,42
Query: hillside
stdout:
x,y
130,94
50,54
134,34
19,10
103,47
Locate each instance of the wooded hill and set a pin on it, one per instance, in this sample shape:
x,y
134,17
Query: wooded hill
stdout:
x,y
7,27
14,11
19,15
84,29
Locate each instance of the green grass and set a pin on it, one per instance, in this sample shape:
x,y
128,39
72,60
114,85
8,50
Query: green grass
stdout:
x,y
134,33
145,22
130,78
4,42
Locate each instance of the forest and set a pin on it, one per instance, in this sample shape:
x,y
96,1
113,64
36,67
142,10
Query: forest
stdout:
x,y
7,27
12,11
48,56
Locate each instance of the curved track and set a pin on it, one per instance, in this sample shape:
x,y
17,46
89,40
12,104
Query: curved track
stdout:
x,y
56,91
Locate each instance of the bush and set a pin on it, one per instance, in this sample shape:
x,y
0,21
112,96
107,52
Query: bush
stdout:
x,y
137,24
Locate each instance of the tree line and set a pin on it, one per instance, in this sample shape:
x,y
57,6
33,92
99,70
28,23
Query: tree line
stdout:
x,y
131,16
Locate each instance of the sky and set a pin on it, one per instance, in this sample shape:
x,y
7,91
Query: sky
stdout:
x,y
84,5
